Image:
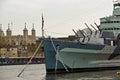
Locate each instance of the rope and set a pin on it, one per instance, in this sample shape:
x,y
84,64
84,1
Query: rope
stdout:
x,y
30,60
57,53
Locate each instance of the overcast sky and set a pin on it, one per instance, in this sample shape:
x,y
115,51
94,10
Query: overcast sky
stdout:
x,y
60,16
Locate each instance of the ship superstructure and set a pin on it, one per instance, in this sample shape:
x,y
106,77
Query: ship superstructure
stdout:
x,y
112,23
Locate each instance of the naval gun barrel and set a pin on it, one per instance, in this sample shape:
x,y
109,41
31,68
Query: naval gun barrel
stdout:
x,y
76,34
93,27
97,26
82,33
88,28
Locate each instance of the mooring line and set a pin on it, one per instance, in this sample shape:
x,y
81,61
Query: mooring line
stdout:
x,y
30,59
57,53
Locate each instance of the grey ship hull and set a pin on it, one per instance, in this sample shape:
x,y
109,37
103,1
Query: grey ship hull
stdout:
x,y
76,57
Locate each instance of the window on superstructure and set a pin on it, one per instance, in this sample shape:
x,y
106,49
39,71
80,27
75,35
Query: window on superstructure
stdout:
x,y
111,28
115,28
117,21
110,22
118,28
105,29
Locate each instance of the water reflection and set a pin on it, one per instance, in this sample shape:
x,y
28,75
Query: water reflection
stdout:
x,y
101,75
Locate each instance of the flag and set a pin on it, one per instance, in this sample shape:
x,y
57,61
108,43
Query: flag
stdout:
x,y
42,21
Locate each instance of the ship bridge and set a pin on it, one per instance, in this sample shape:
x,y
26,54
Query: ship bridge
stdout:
x,y
112,23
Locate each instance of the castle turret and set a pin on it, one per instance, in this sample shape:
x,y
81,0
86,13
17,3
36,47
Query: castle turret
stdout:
x,y
25,31
9,35
33,35
25,34
33,31
1,31
8,31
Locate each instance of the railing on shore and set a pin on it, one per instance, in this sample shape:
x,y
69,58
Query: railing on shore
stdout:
x,y
21,60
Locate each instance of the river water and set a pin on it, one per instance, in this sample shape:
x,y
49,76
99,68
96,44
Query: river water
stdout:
x,y
37,72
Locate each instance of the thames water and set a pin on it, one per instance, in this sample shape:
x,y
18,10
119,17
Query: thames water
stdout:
x,y
37,72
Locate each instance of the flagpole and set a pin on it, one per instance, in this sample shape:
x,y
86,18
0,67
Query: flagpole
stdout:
x,y
42,33
42,26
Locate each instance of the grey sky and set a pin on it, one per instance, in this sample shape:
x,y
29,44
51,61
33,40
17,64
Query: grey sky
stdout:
x,y
60,16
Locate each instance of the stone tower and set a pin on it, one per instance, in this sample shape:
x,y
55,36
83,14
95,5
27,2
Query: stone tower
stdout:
x,y
33,31
1,31
33,35
9,34
25,35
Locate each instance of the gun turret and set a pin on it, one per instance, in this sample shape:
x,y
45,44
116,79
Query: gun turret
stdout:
x,y
78,38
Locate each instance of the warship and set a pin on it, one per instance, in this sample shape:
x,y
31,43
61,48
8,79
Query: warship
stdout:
x,y
98,51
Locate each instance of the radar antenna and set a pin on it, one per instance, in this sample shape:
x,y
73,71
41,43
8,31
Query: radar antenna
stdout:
x,y
116,1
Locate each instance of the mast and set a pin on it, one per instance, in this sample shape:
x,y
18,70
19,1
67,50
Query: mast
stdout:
x,y
116,7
